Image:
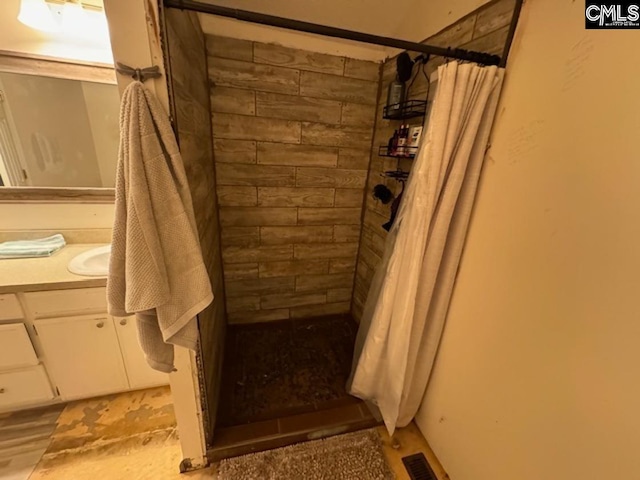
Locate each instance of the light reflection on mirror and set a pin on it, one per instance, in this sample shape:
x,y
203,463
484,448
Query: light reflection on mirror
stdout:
x,y
57,132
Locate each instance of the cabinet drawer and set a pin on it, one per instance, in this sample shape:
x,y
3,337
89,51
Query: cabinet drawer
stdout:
x,y
10,307
67,302
23,387
16,349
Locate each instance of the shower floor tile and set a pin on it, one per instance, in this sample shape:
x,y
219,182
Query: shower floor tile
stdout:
x,y
279,369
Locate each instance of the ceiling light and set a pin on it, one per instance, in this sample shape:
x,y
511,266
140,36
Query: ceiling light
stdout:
x,y
36,14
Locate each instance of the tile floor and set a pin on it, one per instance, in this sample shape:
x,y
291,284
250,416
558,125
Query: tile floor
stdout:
x,y
133,436
278,369
284,382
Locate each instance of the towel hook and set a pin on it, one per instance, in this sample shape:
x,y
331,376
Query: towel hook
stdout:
x,y
138,74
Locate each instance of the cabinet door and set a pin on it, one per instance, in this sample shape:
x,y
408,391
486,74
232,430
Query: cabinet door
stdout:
x,y
83,355
140,374
16,349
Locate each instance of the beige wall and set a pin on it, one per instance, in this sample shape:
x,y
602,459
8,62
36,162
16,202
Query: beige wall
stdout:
x,y
292,132
537,374
483,30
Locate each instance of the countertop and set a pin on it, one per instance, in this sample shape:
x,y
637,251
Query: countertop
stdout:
x,y
46,273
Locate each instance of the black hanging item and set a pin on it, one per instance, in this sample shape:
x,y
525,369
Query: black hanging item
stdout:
x,y
397,107
396,175
394,209
382,193
404,66
397,88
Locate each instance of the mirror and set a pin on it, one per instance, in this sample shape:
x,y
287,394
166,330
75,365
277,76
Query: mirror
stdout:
x,y
57,132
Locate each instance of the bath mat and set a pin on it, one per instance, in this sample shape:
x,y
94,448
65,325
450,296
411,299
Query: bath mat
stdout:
x,y
353,456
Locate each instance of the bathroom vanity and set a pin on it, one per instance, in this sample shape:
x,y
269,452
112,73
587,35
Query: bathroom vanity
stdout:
x,y
57,342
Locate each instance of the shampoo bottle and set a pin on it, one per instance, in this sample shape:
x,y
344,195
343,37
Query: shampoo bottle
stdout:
x,y
395,95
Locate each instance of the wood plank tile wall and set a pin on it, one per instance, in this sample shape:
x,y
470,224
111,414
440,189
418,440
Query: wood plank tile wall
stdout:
x,y
483,30
292,139
191,111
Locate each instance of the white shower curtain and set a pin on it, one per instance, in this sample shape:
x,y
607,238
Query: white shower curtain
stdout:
x,y
408,300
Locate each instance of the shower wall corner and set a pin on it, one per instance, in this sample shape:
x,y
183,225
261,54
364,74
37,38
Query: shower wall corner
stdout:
x,y
190,110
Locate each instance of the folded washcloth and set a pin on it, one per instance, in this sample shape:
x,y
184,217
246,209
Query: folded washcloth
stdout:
x,y
41,247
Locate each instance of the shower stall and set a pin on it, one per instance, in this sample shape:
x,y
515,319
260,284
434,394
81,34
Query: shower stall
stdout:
x,y
291,141
282,149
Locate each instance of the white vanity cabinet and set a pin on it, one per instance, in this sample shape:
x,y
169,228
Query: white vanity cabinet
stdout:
x,y
87,352
83,355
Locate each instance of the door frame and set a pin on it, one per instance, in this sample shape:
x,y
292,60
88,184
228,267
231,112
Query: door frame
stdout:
x,y
136,31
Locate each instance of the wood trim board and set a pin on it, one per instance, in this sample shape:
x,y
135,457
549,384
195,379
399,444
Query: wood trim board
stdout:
x,y
30,64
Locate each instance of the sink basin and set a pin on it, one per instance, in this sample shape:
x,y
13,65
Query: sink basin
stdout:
x,y
92,263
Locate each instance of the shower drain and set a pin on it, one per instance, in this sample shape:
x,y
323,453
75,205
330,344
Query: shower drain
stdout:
x,y
418,467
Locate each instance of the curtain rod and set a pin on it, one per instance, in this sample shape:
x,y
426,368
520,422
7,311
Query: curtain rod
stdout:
x,y
281,22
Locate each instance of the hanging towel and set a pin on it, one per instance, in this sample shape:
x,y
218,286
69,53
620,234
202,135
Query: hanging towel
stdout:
x,y
41,247
156,268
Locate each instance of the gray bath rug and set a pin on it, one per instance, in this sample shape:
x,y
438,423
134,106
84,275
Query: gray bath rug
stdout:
x,y
353,456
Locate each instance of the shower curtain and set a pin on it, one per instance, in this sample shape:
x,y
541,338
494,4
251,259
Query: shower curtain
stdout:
x,y
408,300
